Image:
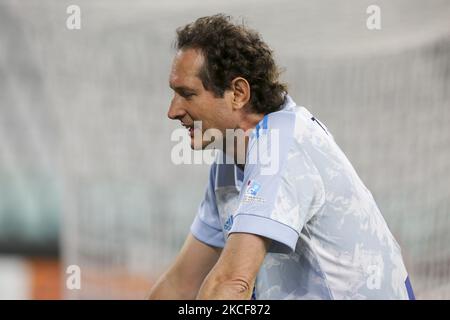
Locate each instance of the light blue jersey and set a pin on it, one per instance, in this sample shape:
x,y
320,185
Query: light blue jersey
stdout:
x,y
329,239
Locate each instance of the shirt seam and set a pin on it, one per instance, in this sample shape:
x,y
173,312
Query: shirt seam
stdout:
x,y
320,265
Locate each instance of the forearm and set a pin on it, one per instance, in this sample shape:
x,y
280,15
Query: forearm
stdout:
x,y
167,288
234,275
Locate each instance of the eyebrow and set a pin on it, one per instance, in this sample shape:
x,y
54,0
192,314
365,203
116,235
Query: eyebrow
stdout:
x,y
181,88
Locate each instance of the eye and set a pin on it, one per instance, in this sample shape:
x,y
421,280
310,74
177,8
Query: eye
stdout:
x,y
187,95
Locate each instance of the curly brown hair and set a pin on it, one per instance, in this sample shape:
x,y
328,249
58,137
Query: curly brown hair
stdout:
x,y
230,51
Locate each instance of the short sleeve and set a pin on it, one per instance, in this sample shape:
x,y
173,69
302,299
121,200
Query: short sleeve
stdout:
x,y
278,195
206,226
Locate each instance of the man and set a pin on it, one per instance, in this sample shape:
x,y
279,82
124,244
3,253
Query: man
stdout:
x,y
308,229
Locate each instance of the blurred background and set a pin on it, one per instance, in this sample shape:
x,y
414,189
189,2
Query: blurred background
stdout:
x,y
86,176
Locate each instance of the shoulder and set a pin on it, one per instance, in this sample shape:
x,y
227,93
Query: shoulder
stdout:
x,y
272,138
290,122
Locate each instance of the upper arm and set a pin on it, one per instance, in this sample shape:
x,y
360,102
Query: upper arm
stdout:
x,y
237,267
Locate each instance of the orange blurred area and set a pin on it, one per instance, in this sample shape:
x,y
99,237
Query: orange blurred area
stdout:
x,y
45,278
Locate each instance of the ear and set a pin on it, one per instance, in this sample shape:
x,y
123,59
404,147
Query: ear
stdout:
x,y
241,92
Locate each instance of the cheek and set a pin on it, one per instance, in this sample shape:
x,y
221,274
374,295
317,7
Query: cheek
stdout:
x,y
204,110
214,113
224,116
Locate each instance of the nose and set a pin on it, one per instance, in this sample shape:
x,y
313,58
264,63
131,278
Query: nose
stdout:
x,y
176,110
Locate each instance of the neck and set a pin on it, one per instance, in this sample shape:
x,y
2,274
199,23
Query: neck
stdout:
x,y
238,151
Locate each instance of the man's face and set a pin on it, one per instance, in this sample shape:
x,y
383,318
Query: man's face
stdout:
x,y
192,102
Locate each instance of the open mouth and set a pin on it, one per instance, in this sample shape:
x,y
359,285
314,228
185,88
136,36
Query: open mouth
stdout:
x,y
190,129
